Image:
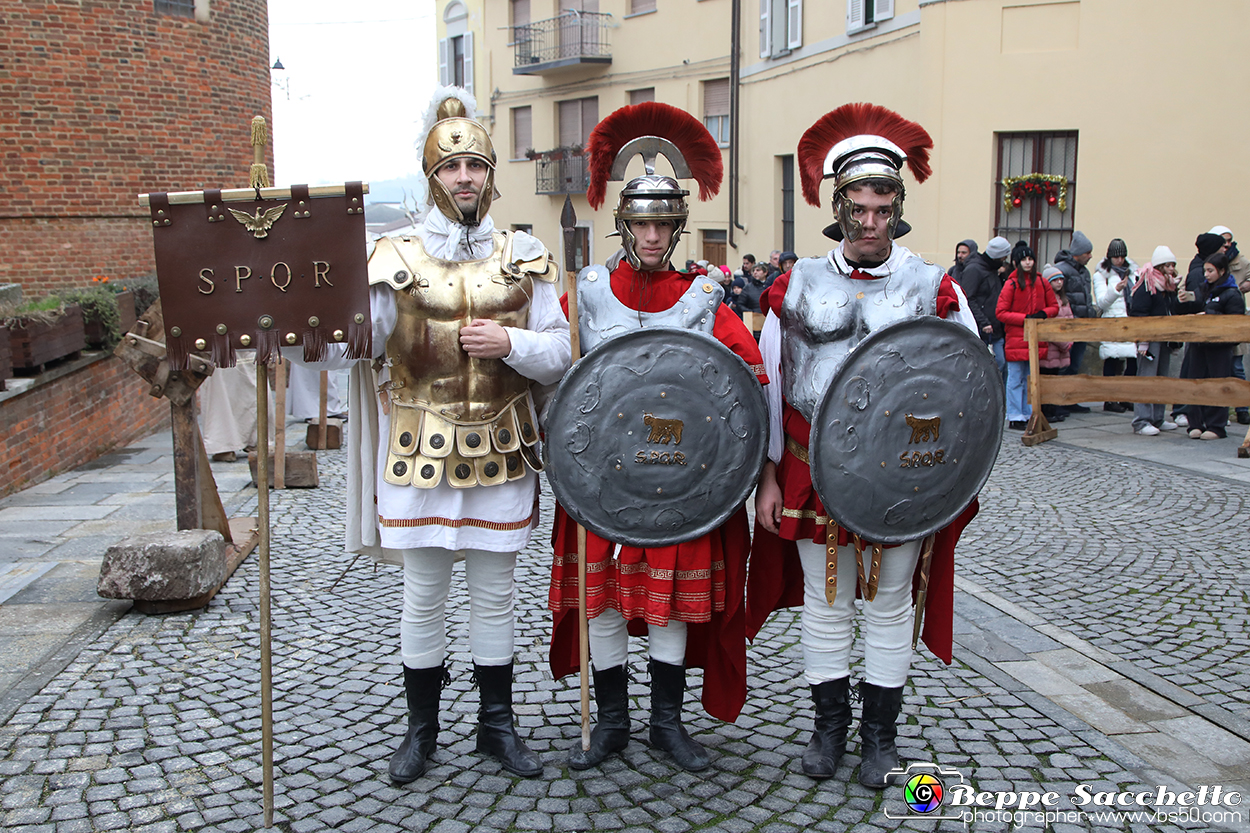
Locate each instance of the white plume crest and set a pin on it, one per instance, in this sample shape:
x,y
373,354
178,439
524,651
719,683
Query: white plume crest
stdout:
x,y
440,95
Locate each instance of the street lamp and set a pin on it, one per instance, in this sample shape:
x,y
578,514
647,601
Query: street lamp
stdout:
x,y
283,84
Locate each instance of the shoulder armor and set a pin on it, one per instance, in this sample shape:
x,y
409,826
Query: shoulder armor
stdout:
x,y
522,253
386,264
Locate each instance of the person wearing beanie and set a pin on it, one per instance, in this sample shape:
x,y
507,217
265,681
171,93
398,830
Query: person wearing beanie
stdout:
x,y
1112,283
963,249
1239,268
1189,297
980,279
1079,286
1154,295
1024,295
1219,296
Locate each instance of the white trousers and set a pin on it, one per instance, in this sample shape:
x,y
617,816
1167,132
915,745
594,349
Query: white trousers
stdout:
x,y
492,594
609,641
827,633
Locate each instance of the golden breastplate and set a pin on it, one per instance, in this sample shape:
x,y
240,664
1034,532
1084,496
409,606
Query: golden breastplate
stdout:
x,y
452,414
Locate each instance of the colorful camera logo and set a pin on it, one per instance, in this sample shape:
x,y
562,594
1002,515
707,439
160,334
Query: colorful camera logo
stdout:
x,y
923,793
924,789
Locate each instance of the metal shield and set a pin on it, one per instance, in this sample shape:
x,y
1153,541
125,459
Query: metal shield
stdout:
x,y
656,437
908,431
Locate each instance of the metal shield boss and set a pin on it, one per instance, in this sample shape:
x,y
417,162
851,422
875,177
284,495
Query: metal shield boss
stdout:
x,y
908,431
656,437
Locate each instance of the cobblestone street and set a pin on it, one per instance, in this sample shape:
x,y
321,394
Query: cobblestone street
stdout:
x,y
1101,636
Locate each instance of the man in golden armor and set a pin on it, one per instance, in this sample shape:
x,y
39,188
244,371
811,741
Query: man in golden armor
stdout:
x,y
443,458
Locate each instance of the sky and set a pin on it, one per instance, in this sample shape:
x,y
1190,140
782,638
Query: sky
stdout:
x,y
357,78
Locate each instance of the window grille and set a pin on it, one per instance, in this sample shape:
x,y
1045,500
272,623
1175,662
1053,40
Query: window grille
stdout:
x,y
1046,229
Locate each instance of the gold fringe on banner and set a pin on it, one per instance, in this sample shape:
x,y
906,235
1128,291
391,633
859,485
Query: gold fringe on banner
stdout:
x,y
258,174
260,134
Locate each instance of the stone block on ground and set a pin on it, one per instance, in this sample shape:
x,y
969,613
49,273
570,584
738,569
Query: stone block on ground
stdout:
x,y
334,434
164,566
301,469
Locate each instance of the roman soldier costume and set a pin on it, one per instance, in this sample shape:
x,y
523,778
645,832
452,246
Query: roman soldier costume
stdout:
x,y
443,448
818,313
687,596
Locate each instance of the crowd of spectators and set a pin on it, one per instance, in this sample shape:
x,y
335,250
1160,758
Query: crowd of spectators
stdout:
x,y
1002,290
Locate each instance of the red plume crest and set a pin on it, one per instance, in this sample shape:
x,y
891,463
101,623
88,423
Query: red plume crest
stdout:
x,y
858,120
651,118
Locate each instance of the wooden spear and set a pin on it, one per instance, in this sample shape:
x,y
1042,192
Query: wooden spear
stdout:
x,y
259,177
568,222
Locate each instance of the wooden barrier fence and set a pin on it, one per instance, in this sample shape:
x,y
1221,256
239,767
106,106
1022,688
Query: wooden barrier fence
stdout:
x,y
1066,390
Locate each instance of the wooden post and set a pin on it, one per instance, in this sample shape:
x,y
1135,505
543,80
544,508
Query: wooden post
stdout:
x,y
186,464
279,428
321,416
262,513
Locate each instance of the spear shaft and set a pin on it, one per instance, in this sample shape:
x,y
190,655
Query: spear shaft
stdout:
x,y
568,222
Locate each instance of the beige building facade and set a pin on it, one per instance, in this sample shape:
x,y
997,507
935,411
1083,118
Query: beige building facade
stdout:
x,y
1124,113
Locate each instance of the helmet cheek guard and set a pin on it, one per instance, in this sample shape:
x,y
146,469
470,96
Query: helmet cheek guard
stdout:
x,y
852,229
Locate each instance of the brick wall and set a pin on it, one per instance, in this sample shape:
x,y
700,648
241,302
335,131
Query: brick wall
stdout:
x,y
106,100
72,420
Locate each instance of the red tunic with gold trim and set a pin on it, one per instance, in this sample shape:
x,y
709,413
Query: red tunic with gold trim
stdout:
x,y
699,582
776,577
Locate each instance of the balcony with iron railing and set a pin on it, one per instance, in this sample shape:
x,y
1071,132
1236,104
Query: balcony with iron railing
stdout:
x,y
570,40
560,171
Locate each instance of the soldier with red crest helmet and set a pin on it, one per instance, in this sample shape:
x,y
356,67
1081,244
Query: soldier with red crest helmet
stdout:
x,y
687,597
817,313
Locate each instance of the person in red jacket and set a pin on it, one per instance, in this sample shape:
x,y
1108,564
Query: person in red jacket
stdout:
x,y
1024,295
687,597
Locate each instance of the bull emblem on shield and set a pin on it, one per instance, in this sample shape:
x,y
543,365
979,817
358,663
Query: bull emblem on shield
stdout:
x,y
662,430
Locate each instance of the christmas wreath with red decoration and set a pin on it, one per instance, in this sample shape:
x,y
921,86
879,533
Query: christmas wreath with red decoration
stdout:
x,y
1051,187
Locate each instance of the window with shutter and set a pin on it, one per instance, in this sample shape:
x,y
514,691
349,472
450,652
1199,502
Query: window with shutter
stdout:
x,y
716,109
444,77
577,118
639,96
794,24
522,131
882,10
766,30
467,62
854,16
520,12
640,6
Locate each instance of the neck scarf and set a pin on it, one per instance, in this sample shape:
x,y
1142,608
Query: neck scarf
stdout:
x,y
455,241
1156,281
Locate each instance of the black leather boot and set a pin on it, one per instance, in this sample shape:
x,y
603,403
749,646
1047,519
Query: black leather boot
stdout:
x,y
668,686
496,734
833,718
422,687
877,731
611,732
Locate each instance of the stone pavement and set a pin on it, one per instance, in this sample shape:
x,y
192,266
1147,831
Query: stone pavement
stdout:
x,y
1101,637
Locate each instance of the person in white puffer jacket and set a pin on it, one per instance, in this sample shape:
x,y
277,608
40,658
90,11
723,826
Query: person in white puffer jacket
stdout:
x,y
1111,284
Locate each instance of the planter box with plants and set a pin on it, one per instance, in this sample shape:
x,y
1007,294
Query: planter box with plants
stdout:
x,y
108,311
43,331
